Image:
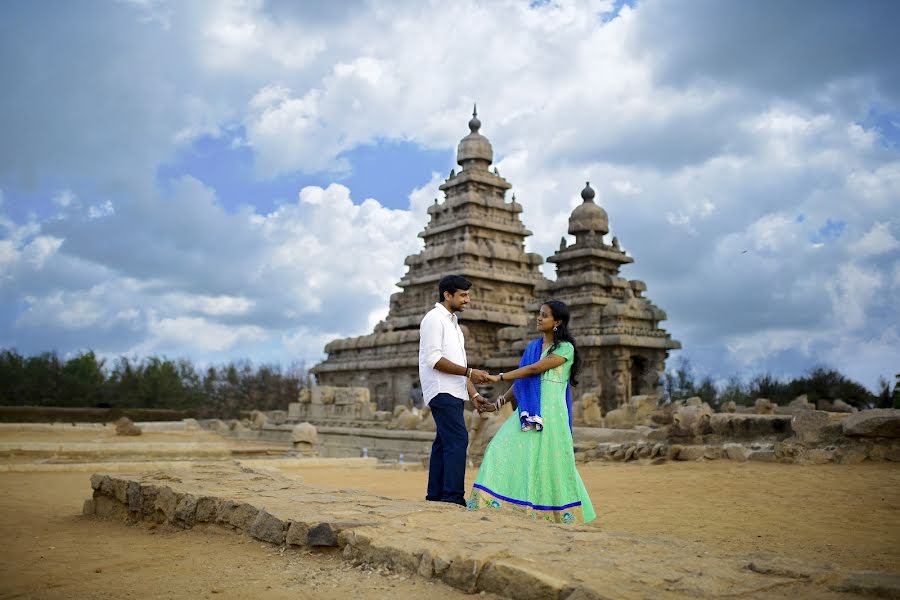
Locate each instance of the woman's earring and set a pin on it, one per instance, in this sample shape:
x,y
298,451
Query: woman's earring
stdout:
x,y
554,328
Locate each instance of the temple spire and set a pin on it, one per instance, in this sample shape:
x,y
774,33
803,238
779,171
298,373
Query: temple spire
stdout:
x,y
474,123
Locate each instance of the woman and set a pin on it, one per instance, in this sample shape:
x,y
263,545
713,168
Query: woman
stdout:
x,y
529,466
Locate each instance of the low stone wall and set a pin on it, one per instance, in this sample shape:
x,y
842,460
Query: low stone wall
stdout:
x,y
807,437
490,551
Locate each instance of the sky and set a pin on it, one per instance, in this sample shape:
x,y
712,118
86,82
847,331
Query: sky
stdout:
x,y
242,179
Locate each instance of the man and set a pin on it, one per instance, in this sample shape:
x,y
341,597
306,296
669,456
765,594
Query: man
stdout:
x,y
446,380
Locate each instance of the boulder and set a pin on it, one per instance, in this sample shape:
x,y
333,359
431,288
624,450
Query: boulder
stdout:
x,y
879,422
258,419
304,432
841,406
801,403
219,426
764,406
124,426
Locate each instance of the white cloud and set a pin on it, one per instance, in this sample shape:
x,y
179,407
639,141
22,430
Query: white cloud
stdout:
x,y
720,161
878,240
64,198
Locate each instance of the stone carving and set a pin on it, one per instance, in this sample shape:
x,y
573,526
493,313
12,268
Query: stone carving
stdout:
x,y
590,404
691,421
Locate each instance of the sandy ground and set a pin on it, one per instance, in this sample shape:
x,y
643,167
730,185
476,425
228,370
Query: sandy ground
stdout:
x,y
843,515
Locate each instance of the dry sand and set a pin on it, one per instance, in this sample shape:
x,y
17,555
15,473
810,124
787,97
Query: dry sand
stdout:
x,y
844,515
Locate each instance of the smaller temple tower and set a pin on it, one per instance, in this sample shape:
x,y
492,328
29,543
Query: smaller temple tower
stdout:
x,y
622,347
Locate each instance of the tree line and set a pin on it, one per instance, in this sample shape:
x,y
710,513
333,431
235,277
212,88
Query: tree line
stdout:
x,y
226,390
154,382
820,383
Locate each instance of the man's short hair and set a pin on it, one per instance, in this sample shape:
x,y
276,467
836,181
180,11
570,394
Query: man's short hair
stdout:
x,y
451,283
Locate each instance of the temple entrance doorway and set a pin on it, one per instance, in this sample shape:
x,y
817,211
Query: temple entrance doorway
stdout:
x,y
638,370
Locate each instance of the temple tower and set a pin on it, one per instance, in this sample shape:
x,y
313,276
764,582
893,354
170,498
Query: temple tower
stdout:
x,y
475,232
622,347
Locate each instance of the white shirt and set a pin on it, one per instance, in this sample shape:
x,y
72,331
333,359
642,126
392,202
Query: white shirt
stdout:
x,y
441,337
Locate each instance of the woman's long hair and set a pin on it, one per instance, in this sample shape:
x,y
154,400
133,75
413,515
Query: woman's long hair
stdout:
x,y
562,334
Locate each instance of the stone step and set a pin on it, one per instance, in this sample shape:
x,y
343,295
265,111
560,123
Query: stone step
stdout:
x,y
492,551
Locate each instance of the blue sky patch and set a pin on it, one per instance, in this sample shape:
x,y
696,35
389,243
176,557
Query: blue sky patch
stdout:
x,y
829,232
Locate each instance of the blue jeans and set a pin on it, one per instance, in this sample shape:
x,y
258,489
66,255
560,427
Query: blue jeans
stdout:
x,y
447,469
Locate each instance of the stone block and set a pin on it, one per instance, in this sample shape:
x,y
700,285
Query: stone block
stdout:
x,y
737,452
148,500
818,456
691,453
166,502
294,411
852,454
207,507
107,507
297,534
133,496
88,509
515,579
762,456
268,528
321,535
463,574
809,426
186,511
879,422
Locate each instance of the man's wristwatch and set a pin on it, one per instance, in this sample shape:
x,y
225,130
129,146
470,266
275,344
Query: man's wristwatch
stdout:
x,y
501,376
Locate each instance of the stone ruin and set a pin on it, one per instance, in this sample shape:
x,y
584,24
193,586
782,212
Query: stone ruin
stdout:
x,y
344,422
477,233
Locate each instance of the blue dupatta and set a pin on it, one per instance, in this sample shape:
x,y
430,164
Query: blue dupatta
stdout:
x,y
528,391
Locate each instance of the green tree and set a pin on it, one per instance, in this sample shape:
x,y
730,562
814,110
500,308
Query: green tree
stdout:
x,y
896,395
82,381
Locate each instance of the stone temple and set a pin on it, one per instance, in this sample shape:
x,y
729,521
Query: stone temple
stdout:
x,y
477,233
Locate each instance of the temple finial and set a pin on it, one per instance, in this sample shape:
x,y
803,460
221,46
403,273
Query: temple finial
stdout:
x,y
474,123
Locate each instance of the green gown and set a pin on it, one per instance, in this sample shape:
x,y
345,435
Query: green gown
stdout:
x,y
533,472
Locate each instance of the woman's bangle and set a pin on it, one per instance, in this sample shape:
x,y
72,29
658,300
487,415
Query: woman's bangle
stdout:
x,y
469,373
